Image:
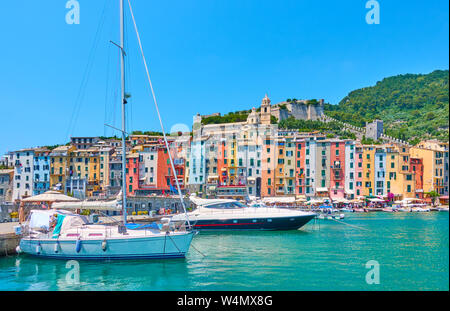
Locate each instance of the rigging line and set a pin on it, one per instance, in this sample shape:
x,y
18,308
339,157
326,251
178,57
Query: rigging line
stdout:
x,y
82,82
86,74
168,234
159,115
115,94
106,92
83,93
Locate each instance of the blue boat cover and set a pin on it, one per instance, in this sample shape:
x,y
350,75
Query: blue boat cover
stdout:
x,y
153,225
326,206
58,226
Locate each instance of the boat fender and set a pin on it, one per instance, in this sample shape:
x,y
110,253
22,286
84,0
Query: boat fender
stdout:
x,y
38,248
78,246
104,245
56,248
18,249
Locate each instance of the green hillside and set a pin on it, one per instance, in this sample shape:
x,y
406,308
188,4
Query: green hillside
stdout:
x,y
412,106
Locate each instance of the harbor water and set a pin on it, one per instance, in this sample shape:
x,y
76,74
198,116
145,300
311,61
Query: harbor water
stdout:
x,y
412,250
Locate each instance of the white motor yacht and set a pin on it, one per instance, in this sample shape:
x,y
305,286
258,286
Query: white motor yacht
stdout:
x,y
228,214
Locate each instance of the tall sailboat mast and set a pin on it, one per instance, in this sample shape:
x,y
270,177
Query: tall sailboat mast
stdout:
x,y
124,101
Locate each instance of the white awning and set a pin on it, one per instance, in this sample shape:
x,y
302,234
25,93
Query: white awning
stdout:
x,y
94,205
213,177
349,192
321,189
278,199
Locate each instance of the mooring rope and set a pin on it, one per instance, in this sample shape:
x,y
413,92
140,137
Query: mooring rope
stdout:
x,y
350,225
198,250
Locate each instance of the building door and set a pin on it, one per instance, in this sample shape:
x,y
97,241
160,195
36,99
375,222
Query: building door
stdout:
x,y
258,186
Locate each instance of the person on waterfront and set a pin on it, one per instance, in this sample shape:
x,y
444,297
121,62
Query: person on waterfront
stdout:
x,y
21,213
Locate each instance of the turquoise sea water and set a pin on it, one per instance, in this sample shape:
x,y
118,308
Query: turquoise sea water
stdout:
x,y
412,250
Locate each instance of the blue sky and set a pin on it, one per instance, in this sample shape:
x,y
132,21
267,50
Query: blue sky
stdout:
x,y
205,56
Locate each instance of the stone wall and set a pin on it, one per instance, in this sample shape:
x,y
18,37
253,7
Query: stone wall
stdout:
x,y
8,244
148,203
300,110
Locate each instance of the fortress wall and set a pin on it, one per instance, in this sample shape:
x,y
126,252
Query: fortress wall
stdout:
x,y
315,112
299,111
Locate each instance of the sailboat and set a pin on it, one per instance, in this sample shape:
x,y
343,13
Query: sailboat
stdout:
x,y
62,234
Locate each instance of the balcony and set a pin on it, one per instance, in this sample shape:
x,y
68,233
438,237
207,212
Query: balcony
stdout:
x,y
338,176
340,188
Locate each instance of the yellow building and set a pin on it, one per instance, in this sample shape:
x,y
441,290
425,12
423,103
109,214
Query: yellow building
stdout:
x,y
231,159
368,163
60,166
280,167
85,164
400,180
435,165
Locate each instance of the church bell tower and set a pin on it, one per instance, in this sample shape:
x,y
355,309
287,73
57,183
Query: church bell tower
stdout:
x,y
265,110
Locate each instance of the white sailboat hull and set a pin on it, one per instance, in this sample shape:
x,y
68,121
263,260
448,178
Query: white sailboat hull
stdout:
x,y
172,245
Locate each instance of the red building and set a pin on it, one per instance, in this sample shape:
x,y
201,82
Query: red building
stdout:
x,y
154,176
416,167
337,177
132,172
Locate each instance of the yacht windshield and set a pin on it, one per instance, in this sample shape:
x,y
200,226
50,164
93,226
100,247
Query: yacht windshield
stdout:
x,y
227,205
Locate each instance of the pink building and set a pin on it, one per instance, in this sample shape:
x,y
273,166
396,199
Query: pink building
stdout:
x,y
358,170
